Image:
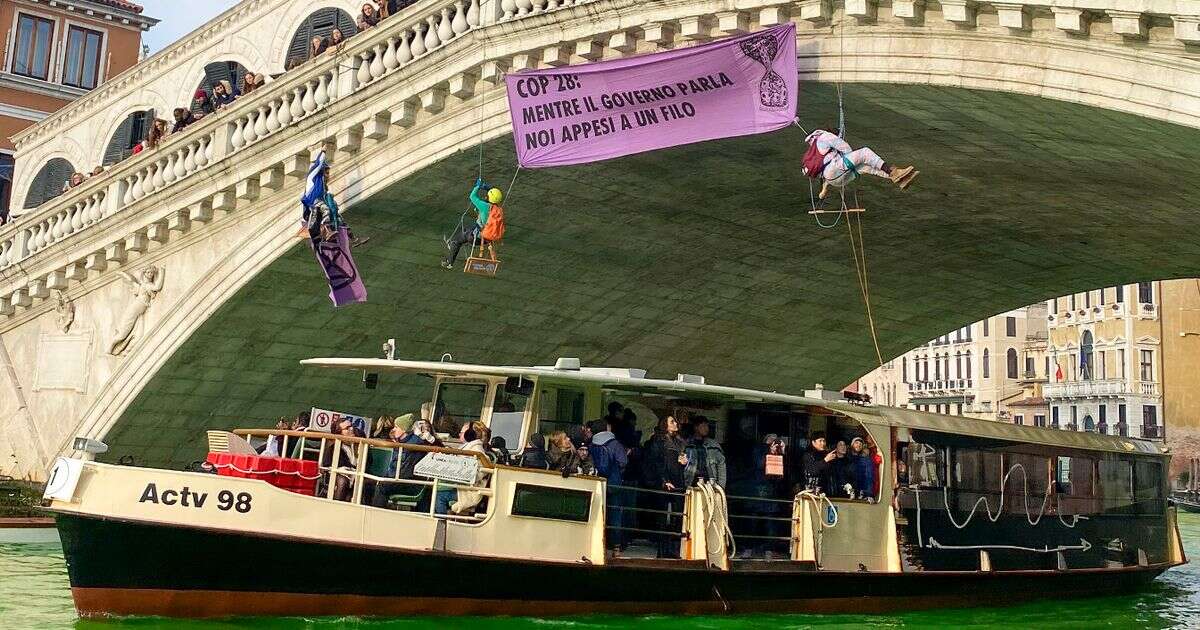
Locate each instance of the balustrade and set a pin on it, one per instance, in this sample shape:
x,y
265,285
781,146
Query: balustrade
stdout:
x,y
397,43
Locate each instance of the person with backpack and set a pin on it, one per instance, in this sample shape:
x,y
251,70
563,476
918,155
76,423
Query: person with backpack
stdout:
x,y
610,457
488,224
830,159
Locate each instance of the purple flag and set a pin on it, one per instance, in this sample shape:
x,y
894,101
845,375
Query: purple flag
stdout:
x,y
345,285
735,86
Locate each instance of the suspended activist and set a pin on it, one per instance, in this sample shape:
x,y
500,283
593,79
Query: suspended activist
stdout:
x,y
832,160
488,226
329,236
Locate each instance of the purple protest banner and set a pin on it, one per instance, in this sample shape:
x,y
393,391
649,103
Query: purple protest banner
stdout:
x,y
345,285
735,86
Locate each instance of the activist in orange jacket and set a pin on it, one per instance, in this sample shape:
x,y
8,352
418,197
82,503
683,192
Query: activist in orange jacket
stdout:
x,y
488,208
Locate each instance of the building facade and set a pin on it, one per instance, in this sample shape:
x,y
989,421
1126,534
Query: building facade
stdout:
x,y
992,369
1126,358
54,53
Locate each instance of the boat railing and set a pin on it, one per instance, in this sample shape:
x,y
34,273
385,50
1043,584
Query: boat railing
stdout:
x,y
762,526
634,511
346,475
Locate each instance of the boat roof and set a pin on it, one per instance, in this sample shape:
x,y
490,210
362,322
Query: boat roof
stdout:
x,y
628,379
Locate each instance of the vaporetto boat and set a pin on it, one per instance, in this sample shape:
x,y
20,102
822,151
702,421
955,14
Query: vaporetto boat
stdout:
x,y
964,512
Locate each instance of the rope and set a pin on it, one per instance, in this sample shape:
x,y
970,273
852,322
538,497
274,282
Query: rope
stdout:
x,y
859,253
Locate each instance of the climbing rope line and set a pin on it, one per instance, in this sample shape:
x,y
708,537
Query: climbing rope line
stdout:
x,y
859,253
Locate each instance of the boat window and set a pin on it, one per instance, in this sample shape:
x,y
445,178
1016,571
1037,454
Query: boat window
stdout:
x,y
977,471
1116,483
1148,478
559,504
926,464
1028,481
1075,484
559,408
508,413
458,403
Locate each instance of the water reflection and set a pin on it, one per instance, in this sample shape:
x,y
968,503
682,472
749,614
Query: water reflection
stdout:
x,y
34,594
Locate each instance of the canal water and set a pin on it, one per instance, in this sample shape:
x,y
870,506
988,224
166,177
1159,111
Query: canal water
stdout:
x,y
34,594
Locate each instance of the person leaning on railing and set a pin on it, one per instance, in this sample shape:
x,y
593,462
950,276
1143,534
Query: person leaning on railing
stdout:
x,y
462,501
343,488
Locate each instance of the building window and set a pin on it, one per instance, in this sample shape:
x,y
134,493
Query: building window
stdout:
x,y
1086,356
1010,326
1102,296
987,370
1054,417
968,365
1122,426
1102,365
1029,367
1087,299
1039,420
958,409
1047,372
1011,359
1120,294
81,68
937,368
1103,427
1146,292
985,328
1149,419
31,52
903,369
1018,419
1056,311
1074,418
1072,301
1146,366
1121,363
958,371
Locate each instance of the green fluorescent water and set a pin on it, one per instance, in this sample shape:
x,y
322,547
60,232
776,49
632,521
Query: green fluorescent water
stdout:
x,y
34,594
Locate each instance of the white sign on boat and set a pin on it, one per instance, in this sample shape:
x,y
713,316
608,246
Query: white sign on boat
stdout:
x,y
64,476
449,467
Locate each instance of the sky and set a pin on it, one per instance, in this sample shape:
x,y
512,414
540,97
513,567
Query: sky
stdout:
x,y
179,17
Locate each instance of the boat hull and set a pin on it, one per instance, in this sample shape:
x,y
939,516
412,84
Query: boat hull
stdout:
x,y
137,568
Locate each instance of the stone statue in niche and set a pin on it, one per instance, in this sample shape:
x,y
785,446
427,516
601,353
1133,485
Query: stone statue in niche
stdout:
x,y
145,288
66,311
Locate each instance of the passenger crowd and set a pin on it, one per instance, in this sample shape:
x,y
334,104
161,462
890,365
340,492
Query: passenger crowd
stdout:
x,y
646,480
210,100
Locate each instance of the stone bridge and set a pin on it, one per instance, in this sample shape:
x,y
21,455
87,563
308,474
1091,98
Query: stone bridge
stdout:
x,y
1058,142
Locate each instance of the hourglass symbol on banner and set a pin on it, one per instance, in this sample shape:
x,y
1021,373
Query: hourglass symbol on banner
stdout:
x,y
772,91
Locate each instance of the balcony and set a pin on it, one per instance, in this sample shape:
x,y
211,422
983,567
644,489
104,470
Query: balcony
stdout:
x,y
1089,389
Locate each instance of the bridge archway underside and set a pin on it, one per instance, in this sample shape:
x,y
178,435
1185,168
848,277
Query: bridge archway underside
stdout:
x,y
702,259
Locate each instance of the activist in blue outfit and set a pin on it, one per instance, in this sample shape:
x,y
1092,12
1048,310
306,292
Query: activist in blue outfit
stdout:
x,y
486,209
329,236
832,160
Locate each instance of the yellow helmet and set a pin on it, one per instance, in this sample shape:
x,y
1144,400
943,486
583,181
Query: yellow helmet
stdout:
x,y
495,196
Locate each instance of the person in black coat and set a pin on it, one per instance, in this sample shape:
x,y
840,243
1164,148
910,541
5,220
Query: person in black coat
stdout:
x,y
665,467
816,464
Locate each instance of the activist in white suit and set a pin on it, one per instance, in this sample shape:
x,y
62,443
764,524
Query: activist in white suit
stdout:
x,y
831,159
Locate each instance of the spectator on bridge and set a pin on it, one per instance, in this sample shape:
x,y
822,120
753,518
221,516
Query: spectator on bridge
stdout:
x,y
468,232
317,46
252,82
183,119
368,18
158,131
201,104
830,159
75,180
336,41
223,94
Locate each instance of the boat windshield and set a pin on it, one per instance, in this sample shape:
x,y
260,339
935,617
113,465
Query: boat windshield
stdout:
x,y
457,404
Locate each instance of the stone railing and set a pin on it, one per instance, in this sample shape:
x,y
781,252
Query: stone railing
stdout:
x,y
1089,389
305,91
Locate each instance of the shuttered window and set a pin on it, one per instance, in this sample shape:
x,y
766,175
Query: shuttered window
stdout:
x,y
49,182
319,24
129,133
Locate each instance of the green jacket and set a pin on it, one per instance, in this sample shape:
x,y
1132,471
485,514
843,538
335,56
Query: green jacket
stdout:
x,y
481,204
